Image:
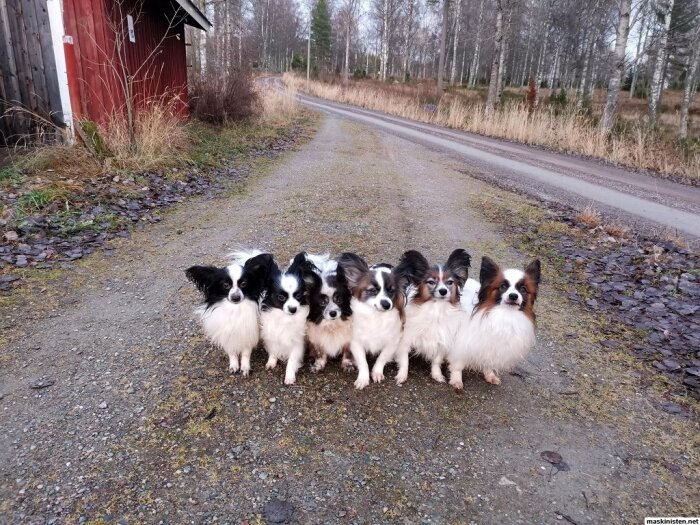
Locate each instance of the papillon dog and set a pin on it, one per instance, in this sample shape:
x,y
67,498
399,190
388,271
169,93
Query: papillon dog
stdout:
x,y
229,314
432,308
284,308
377,314
501,329
329,326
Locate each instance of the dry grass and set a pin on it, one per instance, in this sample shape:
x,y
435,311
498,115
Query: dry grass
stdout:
x,y
278,104
615,229
563,130
589,216
160,138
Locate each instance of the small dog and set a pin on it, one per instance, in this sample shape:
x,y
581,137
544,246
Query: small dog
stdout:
x,y
501,329
229,314
329,326
432,308
284,307
377,311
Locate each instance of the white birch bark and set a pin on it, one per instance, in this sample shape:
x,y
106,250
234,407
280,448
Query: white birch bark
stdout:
x,y
474,69
618,72
456,25
657,80
690,81
495,62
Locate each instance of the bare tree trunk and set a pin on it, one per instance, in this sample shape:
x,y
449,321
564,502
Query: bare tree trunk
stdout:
x,y
407,40
554,69
498,41
584,70
623,29
657,80
456,25
642,38
690,78
461,71
540,62
385,40
502,59
474,69
443,42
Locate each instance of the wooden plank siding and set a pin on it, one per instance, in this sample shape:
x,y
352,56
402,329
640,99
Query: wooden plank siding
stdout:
x,y
28,75
28,78
93,25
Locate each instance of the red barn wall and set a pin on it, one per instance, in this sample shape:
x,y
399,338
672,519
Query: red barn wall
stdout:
x,y
91,25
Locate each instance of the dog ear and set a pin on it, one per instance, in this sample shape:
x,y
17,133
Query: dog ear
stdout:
x,y
534,270
412,268
260,265
489,271
458,263
202,276
353,267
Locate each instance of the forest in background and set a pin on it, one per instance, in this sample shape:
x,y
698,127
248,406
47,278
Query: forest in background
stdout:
x,y
628,49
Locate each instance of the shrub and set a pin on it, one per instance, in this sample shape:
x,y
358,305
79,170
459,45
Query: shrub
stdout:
x,y
224,98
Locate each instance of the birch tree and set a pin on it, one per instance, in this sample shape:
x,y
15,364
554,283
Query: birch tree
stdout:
x,y
443,48
456,28
498,42
474,68
690,76
623,28
657,80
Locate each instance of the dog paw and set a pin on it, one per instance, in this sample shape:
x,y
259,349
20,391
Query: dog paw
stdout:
x,y
457,384
270,365
245,372
492,378
377,376
347,366
438,377
401,378
233,369
361,382
317,367
290,380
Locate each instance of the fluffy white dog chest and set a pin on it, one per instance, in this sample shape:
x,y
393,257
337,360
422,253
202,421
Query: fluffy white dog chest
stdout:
x,y
282,333
231,325
372,329
330,334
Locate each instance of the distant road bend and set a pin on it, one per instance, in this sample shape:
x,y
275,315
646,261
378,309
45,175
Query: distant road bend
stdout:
x,y
644,201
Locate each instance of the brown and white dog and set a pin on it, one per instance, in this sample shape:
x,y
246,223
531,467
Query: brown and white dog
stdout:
x,y
501,330
432,308
377,309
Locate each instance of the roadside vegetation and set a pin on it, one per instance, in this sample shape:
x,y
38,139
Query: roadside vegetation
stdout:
x,y
58,202
555,123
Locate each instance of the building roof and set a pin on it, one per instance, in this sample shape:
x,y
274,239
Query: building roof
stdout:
x,y
194,15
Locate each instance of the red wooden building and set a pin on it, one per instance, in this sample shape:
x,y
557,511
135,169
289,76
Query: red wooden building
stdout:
x,y
82,59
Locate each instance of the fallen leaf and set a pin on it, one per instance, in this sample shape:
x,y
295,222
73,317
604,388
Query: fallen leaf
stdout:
x,y
551,456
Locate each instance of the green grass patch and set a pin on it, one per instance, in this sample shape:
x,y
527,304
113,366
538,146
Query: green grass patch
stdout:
x,y
36,200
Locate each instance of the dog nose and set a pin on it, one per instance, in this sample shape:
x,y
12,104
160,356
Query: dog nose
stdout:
x,y
442,291
513,296
385,303
332,313
292,309
236,298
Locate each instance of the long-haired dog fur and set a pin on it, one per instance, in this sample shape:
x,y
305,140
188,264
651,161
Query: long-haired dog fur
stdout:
x,y
432,308
501,330
229,314
329,326
284,308
377,310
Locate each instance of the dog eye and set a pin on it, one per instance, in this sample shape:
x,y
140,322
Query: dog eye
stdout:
x,y
241,284
450,282
298,296
504,287
336,298
431,281
372,291
226,285
281,297
522,290
324,300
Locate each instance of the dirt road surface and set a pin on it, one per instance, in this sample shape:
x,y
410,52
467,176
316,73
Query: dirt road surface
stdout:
x,y
647,202
143,424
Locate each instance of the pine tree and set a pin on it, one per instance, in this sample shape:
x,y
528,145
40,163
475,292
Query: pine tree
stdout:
x,y
321,35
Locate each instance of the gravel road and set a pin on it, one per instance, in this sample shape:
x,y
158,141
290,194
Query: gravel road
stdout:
x,y
114,409
647,202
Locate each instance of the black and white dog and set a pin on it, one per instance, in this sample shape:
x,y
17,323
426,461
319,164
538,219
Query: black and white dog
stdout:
x,y
284,308
229,314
